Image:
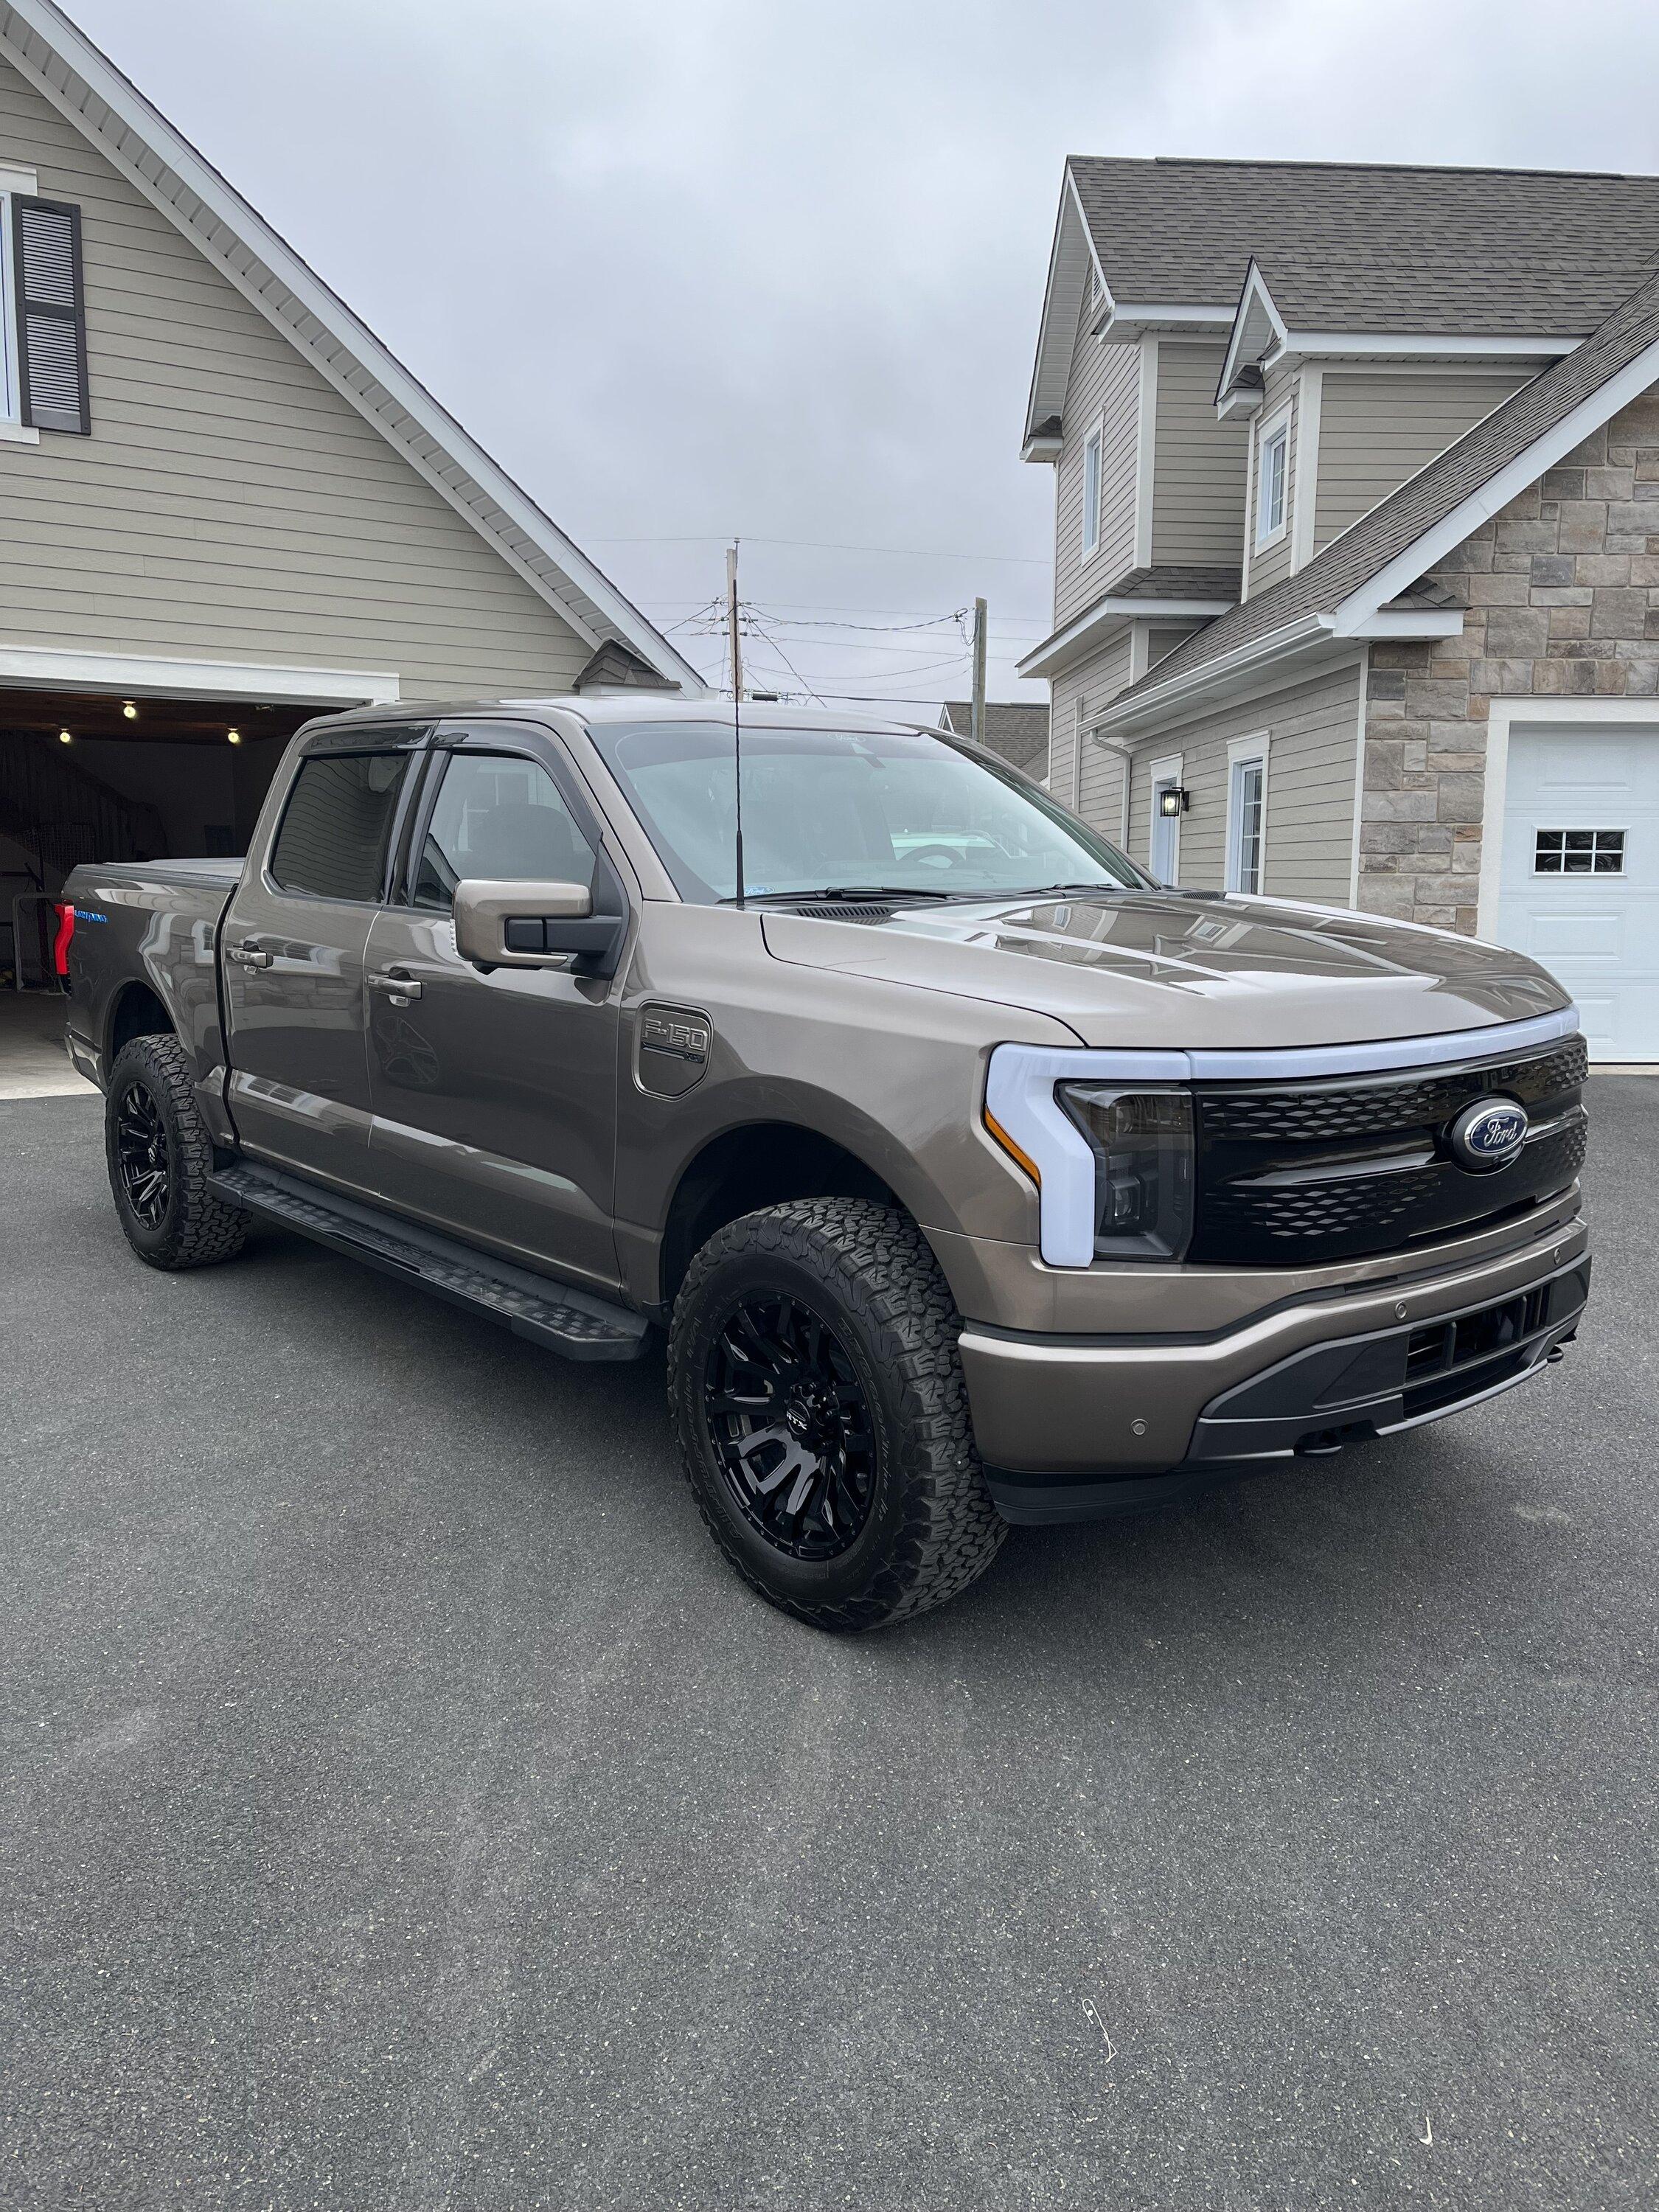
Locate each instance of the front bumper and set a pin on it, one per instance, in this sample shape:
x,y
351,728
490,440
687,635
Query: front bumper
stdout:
x,y
1073,1427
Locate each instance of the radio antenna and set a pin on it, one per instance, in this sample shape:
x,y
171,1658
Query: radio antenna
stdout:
x,y
737,702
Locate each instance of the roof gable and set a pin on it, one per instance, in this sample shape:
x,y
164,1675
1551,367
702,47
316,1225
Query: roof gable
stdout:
x,y
1360,573
51,55
1371,246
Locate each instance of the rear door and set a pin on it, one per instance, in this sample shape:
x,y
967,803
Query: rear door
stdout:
x,y
292,945
494,1096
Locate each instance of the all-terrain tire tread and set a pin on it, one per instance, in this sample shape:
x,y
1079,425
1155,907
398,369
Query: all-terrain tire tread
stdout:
x,y
883,1265
205,1229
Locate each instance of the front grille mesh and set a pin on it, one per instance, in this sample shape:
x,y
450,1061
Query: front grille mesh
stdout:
x,y
1363,1109
1330,1171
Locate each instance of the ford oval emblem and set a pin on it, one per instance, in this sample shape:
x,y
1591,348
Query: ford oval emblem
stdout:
x,y
1488,1134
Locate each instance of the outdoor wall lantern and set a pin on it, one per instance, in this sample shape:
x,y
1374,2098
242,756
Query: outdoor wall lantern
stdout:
x,y
1173,800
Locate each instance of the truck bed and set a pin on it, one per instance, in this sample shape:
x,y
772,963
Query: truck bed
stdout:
x,y
149,927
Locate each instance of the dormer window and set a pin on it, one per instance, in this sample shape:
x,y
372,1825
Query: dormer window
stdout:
x,y
1271,476
1091,452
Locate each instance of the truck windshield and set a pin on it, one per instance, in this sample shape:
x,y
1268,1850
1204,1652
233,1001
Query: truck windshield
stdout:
x,y
893,811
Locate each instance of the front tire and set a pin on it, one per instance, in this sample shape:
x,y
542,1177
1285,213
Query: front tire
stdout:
x,y
823,1416
159,1157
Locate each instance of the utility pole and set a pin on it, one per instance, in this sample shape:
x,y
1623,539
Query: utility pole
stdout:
x,y
732,620
978,727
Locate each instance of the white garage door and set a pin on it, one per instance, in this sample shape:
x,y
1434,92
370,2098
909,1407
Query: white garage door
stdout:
x,y
1579,888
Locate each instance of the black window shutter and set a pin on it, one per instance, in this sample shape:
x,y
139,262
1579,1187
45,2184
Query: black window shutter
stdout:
x,y
52,315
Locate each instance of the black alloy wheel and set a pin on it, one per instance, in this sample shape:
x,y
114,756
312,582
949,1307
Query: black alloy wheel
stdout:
x,y
793,1433
160,1156
141,1155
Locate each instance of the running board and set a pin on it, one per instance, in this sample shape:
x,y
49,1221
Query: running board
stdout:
x,y
571,1321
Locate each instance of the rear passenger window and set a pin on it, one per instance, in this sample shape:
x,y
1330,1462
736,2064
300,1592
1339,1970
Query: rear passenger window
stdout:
x,y
498,818
337,824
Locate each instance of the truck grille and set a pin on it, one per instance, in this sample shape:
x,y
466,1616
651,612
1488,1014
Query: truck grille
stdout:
x,y
1293,1174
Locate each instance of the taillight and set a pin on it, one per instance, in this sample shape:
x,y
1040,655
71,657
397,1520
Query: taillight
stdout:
x,y
60,944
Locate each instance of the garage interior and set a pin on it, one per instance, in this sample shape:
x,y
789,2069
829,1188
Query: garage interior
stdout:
x,y
85,776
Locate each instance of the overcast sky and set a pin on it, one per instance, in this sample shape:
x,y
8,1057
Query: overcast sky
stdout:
x,y
774,267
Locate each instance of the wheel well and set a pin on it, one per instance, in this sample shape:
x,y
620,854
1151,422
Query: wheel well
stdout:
x,y
138,1013
747,1168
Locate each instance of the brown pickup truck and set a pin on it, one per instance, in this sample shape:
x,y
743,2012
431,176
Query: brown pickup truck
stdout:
x,y
975,1177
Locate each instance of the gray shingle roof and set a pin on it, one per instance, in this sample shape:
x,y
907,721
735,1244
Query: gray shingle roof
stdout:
x,y
1400,521
1018,731
1171,582
1509,252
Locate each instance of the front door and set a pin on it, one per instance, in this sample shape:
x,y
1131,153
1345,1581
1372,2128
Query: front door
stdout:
x,y
292,945
494,1096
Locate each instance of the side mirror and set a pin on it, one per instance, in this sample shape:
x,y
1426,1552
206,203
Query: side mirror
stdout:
x,y
533,925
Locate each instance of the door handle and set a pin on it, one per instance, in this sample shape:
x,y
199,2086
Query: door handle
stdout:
x,y
249,955
402,989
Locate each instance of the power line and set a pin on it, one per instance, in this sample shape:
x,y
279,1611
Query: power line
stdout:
x,y
819,606
828,545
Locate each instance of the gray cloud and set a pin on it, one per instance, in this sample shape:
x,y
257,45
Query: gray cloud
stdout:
x,y
775,269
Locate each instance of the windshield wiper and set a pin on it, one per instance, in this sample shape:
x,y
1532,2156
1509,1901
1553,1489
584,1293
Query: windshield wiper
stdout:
x,y
894,894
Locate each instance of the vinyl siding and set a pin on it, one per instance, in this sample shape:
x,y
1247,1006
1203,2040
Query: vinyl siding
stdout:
x,y
230,504
1375,430
1314,736
1095,682
1105,383
1272,564
1199,464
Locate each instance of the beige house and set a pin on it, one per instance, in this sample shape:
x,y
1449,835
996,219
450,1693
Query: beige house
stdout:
x,y
223,504
1356,546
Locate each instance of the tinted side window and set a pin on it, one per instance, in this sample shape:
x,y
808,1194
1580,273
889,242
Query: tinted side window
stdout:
x,y
332,840
498,818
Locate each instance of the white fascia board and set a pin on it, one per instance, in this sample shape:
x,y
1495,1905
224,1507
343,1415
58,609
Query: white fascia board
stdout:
x,y
1443,344
1403,571
1176,692
1051,337
1067,645
1122,322
1410,622
1042,449
1255,300
85,88
145,675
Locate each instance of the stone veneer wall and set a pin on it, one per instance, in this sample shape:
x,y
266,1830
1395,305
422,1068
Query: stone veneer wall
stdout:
x,y
1562,589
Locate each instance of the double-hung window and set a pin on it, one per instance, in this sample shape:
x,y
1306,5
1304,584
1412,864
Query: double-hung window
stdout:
x,y
1271,482
1247,814
1091,452
43,326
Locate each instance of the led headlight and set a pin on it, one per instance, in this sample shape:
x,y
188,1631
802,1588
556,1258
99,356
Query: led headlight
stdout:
x,y
1142,1141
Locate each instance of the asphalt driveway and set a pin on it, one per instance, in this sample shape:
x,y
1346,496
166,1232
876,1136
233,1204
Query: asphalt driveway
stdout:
x,y
404,1808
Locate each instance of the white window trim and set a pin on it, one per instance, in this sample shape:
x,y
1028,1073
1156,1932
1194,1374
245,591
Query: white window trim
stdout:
x,y
1097,437
14,177
1266,435
1242,752
1167,770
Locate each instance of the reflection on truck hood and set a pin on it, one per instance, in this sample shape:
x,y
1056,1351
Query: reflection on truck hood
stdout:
x,y
1156,969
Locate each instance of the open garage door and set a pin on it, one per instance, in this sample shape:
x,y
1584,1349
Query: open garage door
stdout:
x,y
90,777
1579,888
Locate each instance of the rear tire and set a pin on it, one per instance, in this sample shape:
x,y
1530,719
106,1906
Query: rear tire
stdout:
x,y
823,1416
159,1157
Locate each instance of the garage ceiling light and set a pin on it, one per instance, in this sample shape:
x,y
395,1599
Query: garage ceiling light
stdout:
x,y
129,710
64,738
233,737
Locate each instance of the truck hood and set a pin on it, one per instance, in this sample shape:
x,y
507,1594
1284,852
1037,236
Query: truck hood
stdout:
x,y
1157,970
